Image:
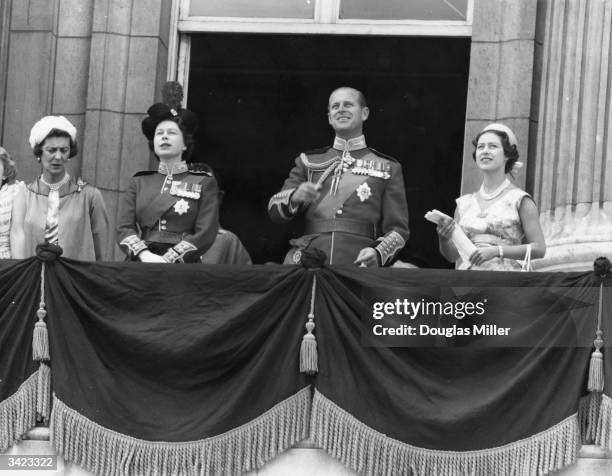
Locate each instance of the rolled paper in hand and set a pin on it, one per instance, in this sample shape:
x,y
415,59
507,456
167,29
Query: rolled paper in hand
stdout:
x,y
463,244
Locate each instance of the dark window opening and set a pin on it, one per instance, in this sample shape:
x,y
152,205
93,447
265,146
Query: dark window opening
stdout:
x,y
262,99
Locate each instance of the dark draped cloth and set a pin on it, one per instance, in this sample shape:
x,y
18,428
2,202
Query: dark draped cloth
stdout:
x,y
185,369
19,297
468,395
179,354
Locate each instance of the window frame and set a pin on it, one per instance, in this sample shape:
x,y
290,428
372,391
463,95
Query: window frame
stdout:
x,y
326,21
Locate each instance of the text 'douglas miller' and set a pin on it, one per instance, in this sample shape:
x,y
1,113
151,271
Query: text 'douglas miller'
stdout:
x,y
484,317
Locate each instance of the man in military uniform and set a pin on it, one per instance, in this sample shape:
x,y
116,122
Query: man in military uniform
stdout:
x,y
351,196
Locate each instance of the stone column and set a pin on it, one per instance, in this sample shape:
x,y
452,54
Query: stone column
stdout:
x,y
572,177
501,65
127,68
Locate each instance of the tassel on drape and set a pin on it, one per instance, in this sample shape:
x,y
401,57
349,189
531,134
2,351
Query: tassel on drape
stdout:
x,y
40,338
368,451
309,359
40,353
596,370
240,450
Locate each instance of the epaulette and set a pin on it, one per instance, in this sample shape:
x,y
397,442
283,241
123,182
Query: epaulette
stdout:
x,y
384,156
144,172
200,168
321,150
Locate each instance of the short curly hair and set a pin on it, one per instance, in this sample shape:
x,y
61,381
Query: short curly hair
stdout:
x,y
74,148
510,150
188,139
10,170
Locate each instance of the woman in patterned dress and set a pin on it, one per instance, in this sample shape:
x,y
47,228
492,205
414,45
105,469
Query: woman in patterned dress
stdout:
x,y
8,189
500,219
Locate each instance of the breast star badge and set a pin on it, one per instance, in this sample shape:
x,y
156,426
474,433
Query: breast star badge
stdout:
x,y
181,207
364,192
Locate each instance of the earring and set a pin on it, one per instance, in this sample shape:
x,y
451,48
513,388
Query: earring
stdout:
x,y
38,159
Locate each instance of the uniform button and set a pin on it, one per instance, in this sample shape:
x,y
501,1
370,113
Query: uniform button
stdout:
x,y
163,222
339,212
163,227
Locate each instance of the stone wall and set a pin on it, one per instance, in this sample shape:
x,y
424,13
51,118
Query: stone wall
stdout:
x,y
501,66
100,63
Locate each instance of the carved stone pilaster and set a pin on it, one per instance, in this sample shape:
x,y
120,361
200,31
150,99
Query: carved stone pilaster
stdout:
x,y
572,179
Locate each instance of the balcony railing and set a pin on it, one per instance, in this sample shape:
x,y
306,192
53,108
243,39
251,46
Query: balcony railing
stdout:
x,y
220,369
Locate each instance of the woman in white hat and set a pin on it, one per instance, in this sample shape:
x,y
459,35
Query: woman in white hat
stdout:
x,y
500,219
56,208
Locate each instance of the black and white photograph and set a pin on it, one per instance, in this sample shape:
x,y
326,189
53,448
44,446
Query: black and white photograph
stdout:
x,y
306,237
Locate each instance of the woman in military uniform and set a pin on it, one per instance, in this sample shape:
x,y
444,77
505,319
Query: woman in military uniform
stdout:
x,y
169,215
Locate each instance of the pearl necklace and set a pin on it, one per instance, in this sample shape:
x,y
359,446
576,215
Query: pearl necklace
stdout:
x,y
55,186
495,193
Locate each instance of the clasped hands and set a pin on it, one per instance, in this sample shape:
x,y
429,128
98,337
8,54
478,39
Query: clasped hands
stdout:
x,y
147,256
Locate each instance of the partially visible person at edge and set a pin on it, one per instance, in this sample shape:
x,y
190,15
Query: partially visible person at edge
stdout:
x,y
171,214
351,196
500,218
8,190
57,208
227,248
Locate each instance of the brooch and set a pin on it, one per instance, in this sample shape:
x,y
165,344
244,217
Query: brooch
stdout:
x,y
364,192
181,206
297,256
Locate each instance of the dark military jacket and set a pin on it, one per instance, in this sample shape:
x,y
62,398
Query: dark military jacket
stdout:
x,y
177,207
362,202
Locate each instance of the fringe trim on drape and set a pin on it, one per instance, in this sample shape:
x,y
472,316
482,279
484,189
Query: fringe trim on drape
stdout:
x,y
596,420
18,413
248,447
370,452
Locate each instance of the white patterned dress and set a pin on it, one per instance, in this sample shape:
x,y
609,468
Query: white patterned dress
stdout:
x,y
7,194
499,224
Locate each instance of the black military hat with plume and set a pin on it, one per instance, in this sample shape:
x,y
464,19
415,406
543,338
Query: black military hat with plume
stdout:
x,y
169,109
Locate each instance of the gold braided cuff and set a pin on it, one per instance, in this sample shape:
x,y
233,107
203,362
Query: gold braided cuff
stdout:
x,y
134,244
282,202
390,244
177,252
